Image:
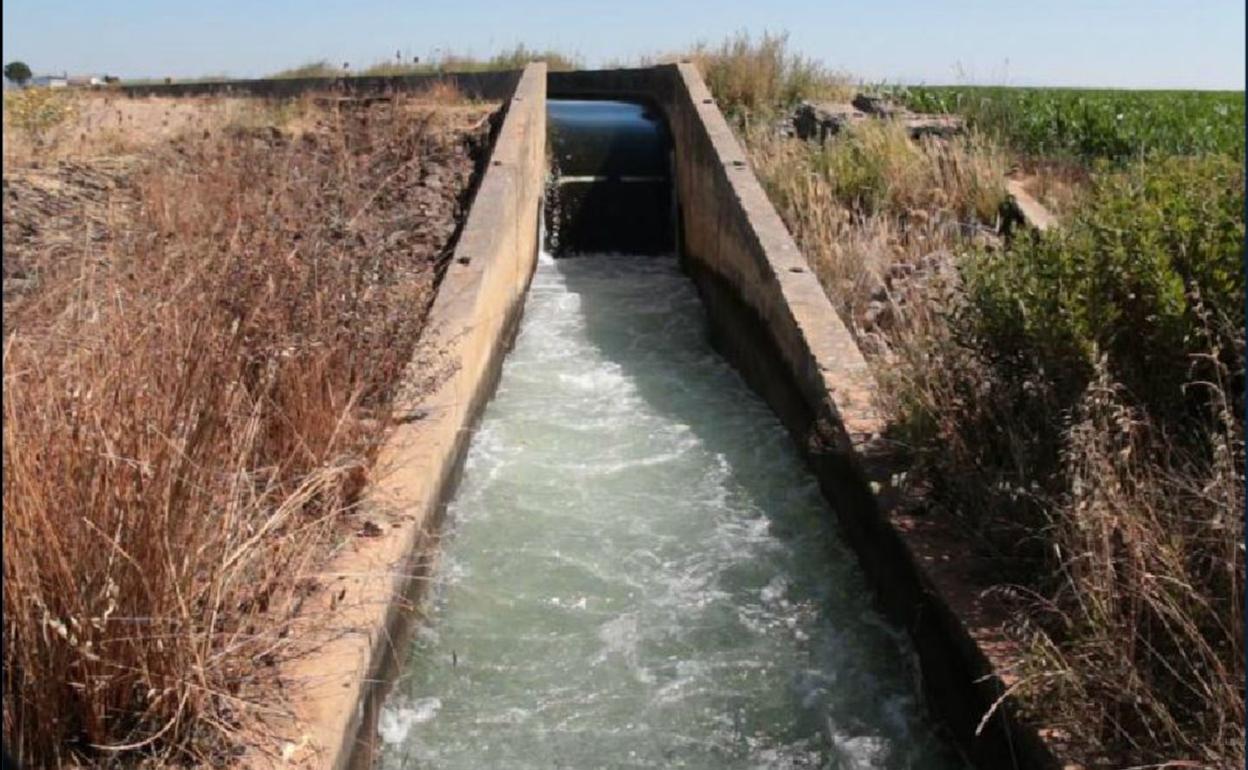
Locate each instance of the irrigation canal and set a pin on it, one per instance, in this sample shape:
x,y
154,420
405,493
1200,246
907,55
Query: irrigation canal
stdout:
x,y
637,569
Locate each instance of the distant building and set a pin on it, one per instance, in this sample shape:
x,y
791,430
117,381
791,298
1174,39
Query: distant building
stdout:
x,y
49,81
67,81
84,81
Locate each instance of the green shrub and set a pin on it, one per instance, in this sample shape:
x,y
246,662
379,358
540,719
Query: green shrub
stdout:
x,y
313,69
1080,413
35,112
519,56
1149,274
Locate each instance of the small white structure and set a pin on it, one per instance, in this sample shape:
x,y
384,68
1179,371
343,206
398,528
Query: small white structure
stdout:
x,y
49,81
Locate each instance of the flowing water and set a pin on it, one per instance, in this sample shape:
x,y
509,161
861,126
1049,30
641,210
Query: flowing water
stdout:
x,y
638,570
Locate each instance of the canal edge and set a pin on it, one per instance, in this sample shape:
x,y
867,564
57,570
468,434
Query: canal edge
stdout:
x,y
357,627
772,319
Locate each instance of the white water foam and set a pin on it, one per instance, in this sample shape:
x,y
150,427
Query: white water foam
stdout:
x,y
395,722
639,570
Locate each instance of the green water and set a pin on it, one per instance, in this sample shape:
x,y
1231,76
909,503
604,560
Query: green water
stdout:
x,y
638,570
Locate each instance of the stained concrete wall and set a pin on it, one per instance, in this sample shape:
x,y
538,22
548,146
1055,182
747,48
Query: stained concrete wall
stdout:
x,y
357,624
492,86
771,318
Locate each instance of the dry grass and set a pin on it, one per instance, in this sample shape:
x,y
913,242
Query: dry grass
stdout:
x,y
90,125
1118,548
511,59
1137,648
1058,185
866,202
862,203
189,415
440,92
756,79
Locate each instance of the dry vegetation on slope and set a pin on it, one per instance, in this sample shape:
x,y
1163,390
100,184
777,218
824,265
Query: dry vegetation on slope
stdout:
x,y
192,401
1073,402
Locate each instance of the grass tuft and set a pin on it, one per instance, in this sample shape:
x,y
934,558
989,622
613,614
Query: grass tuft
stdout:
x,y
320,68
756,79
873,198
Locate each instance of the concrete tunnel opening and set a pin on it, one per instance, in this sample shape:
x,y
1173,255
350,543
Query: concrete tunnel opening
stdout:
x,y
610,187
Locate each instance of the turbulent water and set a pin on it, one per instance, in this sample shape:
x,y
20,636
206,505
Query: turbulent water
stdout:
x,y
638,571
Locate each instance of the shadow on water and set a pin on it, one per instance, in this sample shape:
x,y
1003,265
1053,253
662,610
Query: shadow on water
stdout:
x,y
613,189
692,385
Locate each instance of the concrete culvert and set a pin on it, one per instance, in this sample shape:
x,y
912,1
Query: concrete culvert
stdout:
x,y
611,188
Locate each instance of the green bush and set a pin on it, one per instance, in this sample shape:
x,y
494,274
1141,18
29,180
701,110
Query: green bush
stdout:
x,y
1085,419
519,56
17,72
313,69
1149,274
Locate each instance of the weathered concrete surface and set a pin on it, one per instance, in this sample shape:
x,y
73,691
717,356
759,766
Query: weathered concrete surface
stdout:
x,y
820,120
1031,211
494,86
771,318
358,623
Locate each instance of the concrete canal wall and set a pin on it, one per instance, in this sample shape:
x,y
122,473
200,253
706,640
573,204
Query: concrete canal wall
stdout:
x,y
372,583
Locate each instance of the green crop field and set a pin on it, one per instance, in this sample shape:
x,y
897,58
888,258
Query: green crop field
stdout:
x,y
1090,124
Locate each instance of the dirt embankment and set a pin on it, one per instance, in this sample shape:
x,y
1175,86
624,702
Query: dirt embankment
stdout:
x,y
78,196
202,339
53,212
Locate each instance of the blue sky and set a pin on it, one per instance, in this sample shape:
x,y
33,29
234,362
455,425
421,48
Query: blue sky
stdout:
x,y
1136,44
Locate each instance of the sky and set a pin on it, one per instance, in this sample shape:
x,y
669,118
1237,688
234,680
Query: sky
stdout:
x,y
1111,43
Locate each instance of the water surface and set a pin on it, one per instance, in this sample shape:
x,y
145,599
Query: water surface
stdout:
x,y
638,570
